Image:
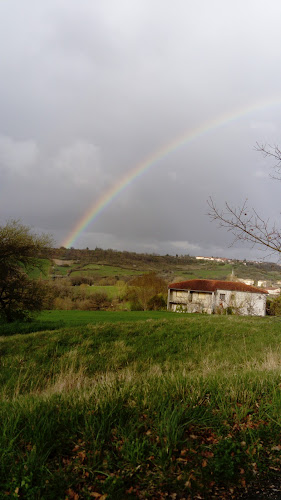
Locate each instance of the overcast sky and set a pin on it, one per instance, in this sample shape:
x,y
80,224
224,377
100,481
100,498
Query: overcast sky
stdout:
x,y
91,88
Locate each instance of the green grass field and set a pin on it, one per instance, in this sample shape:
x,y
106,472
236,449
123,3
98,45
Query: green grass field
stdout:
x,y
126,405
63,270
51,320
111,291
104,271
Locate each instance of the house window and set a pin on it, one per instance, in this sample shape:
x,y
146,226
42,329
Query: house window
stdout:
x,y
222,296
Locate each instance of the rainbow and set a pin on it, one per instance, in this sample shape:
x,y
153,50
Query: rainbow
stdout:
x,y
187,137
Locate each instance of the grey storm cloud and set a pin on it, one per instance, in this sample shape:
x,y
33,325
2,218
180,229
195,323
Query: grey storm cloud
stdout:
x,y
91,89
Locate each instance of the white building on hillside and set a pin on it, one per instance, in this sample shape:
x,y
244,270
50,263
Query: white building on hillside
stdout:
x,y
273,290
262,283
246,281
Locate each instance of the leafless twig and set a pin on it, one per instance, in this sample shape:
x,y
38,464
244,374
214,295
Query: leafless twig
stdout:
x,y
271,152
247,225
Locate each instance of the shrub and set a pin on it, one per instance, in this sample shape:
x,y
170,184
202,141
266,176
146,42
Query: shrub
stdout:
x,y
81,280
63,303
157,303
108,281
144,288
275,306
135,305
96,302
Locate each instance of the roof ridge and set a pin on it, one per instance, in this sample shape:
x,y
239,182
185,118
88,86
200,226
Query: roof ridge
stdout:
x,y
213,284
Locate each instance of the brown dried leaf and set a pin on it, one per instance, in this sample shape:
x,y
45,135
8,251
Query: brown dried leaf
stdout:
x,y
130,490
71,494
207,454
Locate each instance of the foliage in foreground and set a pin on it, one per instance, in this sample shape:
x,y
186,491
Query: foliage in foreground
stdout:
x,y
153,409
19,254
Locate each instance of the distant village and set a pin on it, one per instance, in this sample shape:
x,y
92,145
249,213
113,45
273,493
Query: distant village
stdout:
x,y
272,288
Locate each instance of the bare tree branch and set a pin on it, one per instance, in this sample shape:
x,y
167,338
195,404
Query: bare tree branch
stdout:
x,y
271,152
247,225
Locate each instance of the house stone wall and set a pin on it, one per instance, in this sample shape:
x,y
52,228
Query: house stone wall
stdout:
x,y
242,303
189,301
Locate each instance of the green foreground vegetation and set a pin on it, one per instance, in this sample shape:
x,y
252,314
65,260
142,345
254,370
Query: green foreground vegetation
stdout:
x,y
158,406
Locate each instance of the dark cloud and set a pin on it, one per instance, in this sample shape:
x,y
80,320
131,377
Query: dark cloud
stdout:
x,y
89,90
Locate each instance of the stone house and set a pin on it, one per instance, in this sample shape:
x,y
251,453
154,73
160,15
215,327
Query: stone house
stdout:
x,y
214,296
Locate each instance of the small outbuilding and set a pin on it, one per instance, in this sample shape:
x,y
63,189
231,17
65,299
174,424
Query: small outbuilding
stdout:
x,y
216,296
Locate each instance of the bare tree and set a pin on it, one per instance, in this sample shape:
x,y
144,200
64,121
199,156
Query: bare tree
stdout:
x,y
245,223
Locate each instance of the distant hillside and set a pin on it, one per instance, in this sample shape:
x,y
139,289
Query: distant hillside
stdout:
x,y
113,263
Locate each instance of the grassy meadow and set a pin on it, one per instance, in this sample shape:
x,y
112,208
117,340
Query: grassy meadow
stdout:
x,y
139,405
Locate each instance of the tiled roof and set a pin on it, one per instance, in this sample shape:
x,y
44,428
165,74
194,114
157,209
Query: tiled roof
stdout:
x,y
213,285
